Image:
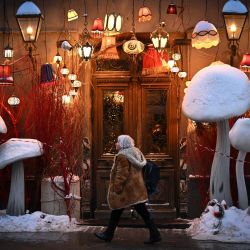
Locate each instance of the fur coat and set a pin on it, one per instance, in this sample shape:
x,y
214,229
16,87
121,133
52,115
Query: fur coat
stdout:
x,y
126,186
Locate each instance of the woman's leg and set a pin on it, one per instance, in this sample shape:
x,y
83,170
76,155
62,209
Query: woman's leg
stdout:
x,y
108,234
142,210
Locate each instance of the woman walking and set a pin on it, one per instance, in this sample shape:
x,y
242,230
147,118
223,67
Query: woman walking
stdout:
x,y
127,188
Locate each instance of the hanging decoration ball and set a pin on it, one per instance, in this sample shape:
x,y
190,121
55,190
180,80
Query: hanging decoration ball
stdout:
x,y
13,101
176,56
57,58
8,52
145,14
245,63
72,15
64,70
72,77
182,74
205,35
97,28
76,84
133,46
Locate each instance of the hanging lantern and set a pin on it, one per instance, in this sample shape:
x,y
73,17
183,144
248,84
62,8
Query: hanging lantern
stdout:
x,y
66,99
133,46
72,77
13,101
64,70
108,48
86,51
6,75
47,74
8,52
72,15
171,63
97,28
172,9
73,93
29,19
112,24
76,84
153,63
175,69
205,35
245,63
57,58
182,74
176,56
159,37
145,14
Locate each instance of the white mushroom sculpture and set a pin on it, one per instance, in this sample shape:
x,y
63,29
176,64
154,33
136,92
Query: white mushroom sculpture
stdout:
x,y
217,93
14,151
239,136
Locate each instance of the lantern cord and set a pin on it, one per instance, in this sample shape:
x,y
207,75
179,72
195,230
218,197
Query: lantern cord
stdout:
x,y
143,3
248,31
159,11
206,11
45,33
133,16
97,6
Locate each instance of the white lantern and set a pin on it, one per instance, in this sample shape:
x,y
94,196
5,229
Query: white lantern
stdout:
x,y
13,101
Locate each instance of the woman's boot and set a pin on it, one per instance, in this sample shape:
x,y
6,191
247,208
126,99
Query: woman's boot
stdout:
x,y
154,233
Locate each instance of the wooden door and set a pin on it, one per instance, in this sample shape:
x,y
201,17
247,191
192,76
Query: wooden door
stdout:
x,y
146,109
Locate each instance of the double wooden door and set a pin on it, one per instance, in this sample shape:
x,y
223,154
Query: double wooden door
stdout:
x,y
147,110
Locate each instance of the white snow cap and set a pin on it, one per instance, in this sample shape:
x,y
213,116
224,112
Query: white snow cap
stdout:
x,y
28,8
239,135
17,149
217,92
234,6
3,128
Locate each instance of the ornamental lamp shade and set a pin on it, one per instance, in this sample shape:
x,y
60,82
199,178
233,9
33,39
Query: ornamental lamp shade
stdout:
x,y
64,70
72,15
234,14
108,48
6,75
86,51
57,58
145,14
76,84
112,24
245,63
172,9
205,35
133,46
159,37
8,52
13,101
97,28
29,19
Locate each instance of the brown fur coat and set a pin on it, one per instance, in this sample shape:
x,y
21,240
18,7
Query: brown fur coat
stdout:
x,y
126,185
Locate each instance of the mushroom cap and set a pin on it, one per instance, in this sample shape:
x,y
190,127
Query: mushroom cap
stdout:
x,y
239,135
17,149
3,128
217,92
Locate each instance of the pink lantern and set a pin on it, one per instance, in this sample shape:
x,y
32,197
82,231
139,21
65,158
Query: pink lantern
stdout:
x,y
97,28
144,14
245,63
5,75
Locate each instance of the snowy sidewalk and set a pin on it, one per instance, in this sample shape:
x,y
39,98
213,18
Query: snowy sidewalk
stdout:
x,y
125,238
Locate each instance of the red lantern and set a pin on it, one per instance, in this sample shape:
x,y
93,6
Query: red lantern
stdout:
x,y
97,28
245,63
172,9
5,75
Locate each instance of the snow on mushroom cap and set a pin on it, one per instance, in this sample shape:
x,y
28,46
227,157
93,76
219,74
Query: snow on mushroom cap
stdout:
x,y
217,92
3,128
239,135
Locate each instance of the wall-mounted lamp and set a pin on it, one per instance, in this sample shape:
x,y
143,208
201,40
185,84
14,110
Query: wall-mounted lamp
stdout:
x,y
234,15
29,18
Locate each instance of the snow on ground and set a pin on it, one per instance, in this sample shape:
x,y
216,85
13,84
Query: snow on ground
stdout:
x,y
37,222
234,226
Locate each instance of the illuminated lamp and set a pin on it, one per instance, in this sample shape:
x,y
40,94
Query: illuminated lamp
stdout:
x,y
29,19
133,46
159,37
76,85
205,35
72,93
234,15
8,52
108,48
152,62
13,101
72,15
112,24
66,99
72,77
182,74
175,69
64,70
245,63
97,28
86,51
57,58
176,56
171,63
6,75
172,9
47,74
145,14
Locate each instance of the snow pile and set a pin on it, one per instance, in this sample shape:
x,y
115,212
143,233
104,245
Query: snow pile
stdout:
x,y
37,222
234,226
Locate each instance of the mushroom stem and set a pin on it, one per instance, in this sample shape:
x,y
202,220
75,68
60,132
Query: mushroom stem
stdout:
x,y
241,185
15,205
220,174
